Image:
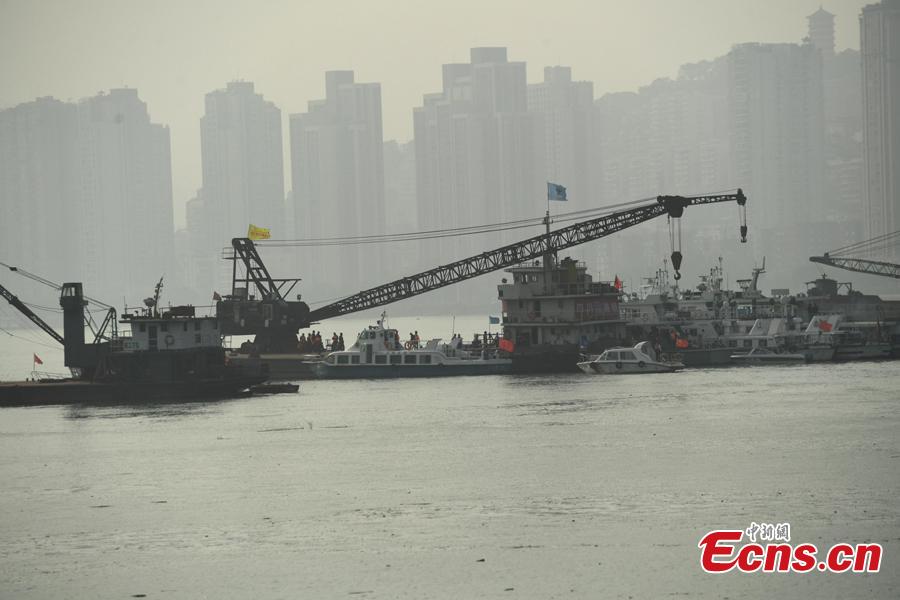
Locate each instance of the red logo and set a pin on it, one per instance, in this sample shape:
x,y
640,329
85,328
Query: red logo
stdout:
x,y
721,551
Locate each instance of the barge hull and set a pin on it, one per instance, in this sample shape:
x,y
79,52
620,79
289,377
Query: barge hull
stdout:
x,y
48,393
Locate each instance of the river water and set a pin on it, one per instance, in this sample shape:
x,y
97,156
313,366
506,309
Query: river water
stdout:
x,y
566,486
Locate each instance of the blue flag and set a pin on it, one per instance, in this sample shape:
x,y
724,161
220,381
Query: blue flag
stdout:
x,y
494,320
555,192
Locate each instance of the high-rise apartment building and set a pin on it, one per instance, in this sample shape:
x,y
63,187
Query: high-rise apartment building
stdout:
x,y
563,108
127,225
776,106
843,206
401,208
478,154
880,49
671,137
337,173
87,193
40,186
243,172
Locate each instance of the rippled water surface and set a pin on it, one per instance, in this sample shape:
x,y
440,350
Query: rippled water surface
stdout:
x,y
567,486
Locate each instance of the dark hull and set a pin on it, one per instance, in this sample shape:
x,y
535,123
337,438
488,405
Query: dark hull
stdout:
x,y
32,393
395,371
706,357
547,360
283,367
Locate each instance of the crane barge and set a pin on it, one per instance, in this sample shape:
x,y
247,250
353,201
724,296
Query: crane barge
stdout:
x,y
275,319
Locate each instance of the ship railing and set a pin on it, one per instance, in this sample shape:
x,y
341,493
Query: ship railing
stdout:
x,y
47,376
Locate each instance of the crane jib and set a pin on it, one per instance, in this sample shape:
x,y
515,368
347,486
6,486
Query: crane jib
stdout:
x,y
513,254
860,265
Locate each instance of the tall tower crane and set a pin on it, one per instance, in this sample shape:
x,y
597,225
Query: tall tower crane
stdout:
x,y
275,320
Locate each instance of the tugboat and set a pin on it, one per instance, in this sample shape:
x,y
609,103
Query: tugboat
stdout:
x,y
378,353
627,361
173,355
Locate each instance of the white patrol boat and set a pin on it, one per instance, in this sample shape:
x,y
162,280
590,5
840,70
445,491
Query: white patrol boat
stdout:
x,y
621,361
379,352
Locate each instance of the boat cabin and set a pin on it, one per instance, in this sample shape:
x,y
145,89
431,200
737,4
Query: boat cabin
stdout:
x,y
176,329
558,304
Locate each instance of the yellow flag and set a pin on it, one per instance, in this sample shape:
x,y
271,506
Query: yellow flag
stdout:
x,y
258,233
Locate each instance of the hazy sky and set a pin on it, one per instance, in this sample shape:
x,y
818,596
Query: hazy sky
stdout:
x,y
174,52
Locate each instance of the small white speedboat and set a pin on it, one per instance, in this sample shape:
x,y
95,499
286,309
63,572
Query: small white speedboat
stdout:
x,y
765,356
624,361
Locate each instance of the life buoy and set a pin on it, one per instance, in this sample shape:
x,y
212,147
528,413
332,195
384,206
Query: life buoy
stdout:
x,y
641,364
170,339
408,345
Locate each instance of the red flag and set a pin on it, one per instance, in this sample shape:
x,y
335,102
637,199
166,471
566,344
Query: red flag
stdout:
x,y
825,326
618,283
37,360
507,345
216,297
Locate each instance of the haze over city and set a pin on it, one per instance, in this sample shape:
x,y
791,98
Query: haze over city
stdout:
x,y
175,52
173,55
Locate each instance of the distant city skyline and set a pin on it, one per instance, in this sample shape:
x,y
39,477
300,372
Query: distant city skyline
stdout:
x,y
782,120
172,70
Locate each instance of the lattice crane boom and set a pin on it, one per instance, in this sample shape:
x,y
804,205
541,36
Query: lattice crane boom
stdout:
x,y
860,265
20,306
523,251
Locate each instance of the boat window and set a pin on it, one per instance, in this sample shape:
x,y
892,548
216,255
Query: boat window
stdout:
x,y
354,360
185,326
612,356
763,343
164,327
409,359
732,343
380,359
196,338
342,359
396,359
748,343
196,325
426,359
330,360
143,327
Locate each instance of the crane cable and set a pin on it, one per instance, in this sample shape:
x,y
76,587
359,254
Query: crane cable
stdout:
x,y
876,243
450,232
49,283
